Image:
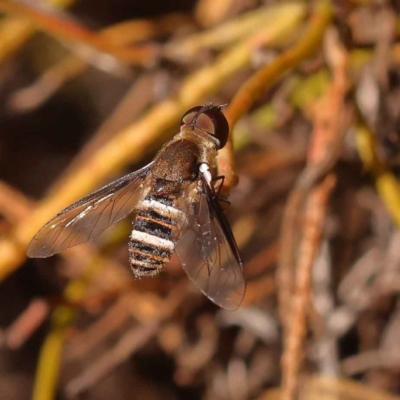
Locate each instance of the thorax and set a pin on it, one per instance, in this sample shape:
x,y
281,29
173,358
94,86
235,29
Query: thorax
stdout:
x,y
178,161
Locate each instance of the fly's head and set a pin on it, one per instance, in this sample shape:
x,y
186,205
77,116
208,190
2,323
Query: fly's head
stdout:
x,y
210,120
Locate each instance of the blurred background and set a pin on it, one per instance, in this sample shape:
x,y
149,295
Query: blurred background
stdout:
x,y
90,90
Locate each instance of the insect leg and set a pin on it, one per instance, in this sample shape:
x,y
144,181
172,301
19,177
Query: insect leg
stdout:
x,y
224,203
222,179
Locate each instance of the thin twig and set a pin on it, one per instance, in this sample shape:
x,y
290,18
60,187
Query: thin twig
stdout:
x,y
134,101
326,347
329,120
315,212
15,31
26,323
65,29
32,96
100,330
225,34
71,66
316,169
14,206
46,377
263,79
50,357
372,359
129,343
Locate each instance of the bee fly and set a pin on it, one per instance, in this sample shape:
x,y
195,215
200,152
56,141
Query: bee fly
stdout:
x,y
177,209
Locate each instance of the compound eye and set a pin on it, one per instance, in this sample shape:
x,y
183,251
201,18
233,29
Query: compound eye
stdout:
x,y
209,119
190,115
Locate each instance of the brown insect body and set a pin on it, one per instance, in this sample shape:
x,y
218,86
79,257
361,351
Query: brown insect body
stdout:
x,y
174,169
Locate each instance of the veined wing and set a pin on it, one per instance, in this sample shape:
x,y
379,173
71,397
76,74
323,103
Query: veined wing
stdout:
x,y
207,248
90,216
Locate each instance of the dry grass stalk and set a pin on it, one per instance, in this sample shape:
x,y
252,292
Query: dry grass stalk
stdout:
x,y
295,277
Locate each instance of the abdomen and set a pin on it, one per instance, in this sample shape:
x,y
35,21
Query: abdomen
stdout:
x,y
151,243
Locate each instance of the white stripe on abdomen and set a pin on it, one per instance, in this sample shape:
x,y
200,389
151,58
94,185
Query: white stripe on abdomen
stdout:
x,y
148,239
160,208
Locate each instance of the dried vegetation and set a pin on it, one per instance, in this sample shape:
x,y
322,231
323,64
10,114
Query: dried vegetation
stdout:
x,y
90,90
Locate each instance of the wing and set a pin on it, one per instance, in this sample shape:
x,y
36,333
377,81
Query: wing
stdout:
x,y
90,216
207,248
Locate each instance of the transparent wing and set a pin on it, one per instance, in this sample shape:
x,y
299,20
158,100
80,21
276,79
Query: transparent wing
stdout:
x,y
208,251
90,216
